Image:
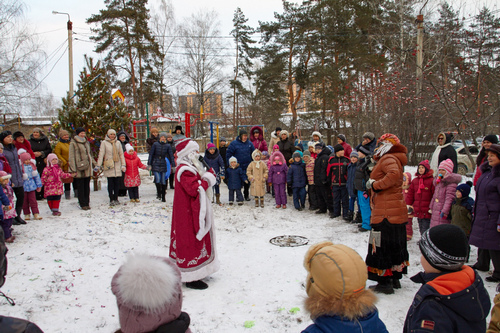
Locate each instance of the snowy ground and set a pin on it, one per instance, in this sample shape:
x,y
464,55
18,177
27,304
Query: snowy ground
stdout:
x,y
60,268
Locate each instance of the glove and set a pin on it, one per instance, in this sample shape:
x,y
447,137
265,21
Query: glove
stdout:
x,y
96,169
369,183
209,178
124,168
443,215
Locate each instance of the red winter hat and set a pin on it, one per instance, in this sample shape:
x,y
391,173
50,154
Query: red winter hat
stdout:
x,y
446,165
426,165
389,137
210,145
185,147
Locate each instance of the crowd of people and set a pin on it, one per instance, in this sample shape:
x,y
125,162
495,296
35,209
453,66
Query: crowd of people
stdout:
x,y
365,186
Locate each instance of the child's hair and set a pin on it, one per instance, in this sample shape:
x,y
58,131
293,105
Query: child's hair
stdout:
x,y
336,282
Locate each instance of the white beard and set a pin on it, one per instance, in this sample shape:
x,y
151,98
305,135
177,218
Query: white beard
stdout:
x,y
193,158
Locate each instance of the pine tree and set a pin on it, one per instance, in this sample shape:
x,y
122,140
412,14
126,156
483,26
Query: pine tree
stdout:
x,y
92,107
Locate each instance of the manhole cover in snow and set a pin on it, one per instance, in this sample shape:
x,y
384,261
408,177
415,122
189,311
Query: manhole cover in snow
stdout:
x,y
289,241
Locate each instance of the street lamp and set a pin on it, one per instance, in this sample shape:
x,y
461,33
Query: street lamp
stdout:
x,y
70,51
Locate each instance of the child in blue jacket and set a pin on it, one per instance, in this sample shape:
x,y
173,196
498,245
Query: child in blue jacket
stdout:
x,y
297,179
236,177
31,183
215,161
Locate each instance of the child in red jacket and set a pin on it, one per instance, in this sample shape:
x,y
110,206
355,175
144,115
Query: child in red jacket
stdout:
x,y
420,194
132,179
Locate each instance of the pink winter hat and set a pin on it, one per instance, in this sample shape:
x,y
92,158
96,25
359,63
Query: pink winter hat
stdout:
x,y
50,158
446,165
25,157
4,175
210,145
148,292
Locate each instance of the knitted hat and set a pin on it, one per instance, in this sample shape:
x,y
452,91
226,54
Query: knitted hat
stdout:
x,y
354,154
389,137
365,150
50,158
4,134
37,129
25,157
222,139
154,130
185,147
164,134
4,175
297,153
445,247
307,153
446,165
319,145
283,132
334,270
318,134
255,153
17,135
369,135
464,189
342,137
128,147
169,135
311,144
337,148
79,130
407,176
111,131
63,133
233,159
491,138
426,165
210,145
276,147
148,293
495,149
242,132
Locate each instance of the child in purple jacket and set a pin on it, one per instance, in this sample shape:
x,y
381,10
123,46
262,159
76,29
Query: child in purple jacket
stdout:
x,y
277,177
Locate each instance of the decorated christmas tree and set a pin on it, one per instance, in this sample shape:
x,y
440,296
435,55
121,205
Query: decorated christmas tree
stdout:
x,y
92,107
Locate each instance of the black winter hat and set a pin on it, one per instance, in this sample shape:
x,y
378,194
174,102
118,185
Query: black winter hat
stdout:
x,y
342,137
278,129
17,135
178,127
242,132
222,139
491,138
364,150
464,189
337,148
4,134
79,130
445,247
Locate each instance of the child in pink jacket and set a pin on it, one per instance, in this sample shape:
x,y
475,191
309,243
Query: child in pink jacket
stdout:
x,y
445,185
52,180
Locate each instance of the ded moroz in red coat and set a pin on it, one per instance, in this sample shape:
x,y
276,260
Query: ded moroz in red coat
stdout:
x,y
192,238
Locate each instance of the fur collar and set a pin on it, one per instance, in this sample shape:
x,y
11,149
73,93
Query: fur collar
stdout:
x,y
355,306
273,135
485,167
452,178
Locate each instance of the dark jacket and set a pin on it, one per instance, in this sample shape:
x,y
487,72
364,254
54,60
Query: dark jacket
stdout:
x,y
150,142
10,152
157,155
448,152
4,200
242,151
215,161
371,323
461,213
320,166
41,145
235,177
286,148
17,325
223,154
371,145
337,170
449,302
363,169
484,232
127,139
296,175
351,173
420,194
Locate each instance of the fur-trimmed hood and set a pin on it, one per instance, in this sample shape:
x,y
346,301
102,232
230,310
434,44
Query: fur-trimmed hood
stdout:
x,y
261,133
452,178
273,135
485,167
255,153
448,137
277,154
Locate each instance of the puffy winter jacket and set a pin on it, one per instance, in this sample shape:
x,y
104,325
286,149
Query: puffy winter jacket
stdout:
x,y
133,163
449,302
336,170
444,194
235,177
371,323
461,213
157,155
4,199
364,168
51,180
296,175
106,154
10,152
351,173
320,166
215,161
277,170
420,194
62,152
17,325
258,143
242,151
31,178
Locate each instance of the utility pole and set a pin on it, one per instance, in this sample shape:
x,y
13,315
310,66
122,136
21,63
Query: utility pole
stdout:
x,y
420,58
70,52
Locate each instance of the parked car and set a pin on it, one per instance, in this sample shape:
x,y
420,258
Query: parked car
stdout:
x,y
465,167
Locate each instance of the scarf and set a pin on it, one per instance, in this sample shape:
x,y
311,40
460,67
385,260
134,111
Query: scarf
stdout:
x,y
435,157
116,157
64,141
384,148
257,164
420,183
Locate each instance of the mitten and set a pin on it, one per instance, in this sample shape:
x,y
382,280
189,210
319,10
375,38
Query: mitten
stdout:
x,y
369,183
124,168
209,178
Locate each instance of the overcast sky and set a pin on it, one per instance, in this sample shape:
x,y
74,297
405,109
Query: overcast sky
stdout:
x,y
52,31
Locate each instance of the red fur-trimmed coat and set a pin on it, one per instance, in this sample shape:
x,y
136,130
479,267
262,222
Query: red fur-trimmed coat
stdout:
x,y
133,163
421,201
51,180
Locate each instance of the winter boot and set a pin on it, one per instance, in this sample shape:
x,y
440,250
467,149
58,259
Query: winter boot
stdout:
x,y
27,217
67,195
217,199
37,216
163,192
262,202
358,219
256,201
199,285
75,191
158,191
349,216
384,287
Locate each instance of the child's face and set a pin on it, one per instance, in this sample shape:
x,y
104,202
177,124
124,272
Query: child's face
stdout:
x,y
211,150
458,194
405,180
233,164
340,153
296,159
1,150
257,157
442,171
421,169
54,161
163,139
311,149
4,182
131,151
354,160
306,158
27,162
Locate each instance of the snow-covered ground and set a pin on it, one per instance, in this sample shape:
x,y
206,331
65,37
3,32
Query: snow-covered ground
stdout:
x,y
60,268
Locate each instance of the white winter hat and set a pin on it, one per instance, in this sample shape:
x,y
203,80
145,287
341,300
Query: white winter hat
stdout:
x,y
316,133
233,159
128,147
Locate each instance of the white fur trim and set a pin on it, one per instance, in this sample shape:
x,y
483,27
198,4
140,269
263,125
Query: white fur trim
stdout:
x,y
25,176
34,173
206,214
21,151
210,178
198,273
190,147
33,161
147,282
284,132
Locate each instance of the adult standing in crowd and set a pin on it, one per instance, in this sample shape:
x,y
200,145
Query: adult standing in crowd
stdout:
x,y
80,162
485,233
482,157
62,152
275,138
41,148
286,146
10,152
369,141
160,150
242,149
257,138
152,139
124,140
341,140
112,161
178,134
387,258
21,143
171,178
223,150
321,182
444,151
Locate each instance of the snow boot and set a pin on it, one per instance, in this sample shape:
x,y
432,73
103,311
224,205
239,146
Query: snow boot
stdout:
x,y
67,195
358,219
256,201
384,287
37,216
198,285
262,202
158,191
163,192
217,199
